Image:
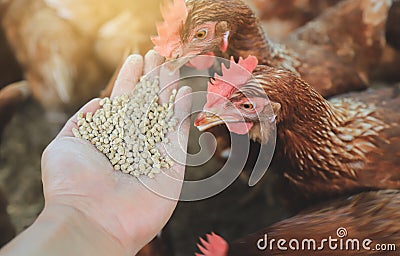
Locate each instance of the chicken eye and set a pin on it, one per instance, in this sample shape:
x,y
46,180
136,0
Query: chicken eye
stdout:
x,y
201,34
247,106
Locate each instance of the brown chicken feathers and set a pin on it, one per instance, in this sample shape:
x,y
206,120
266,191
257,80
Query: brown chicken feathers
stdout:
x,y
360,216
323,148
69,49
330,55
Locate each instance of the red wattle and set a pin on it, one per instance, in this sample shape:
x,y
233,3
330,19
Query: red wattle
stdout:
x,y
239,128
203,61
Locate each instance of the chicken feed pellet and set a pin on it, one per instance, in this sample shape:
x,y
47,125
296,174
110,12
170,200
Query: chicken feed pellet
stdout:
x,y
127,129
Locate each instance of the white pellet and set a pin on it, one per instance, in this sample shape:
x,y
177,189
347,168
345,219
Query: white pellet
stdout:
x,y
126,129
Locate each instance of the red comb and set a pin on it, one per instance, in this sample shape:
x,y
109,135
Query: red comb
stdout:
x,y
174,15
214,246
237,75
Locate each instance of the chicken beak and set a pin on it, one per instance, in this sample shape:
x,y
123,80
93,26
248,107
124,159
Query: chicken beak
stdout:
x,y
175,64
206,120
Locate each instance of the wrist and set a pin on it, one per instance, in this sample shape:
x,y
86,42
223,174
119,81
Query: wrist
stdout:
x,y
64,230
85,232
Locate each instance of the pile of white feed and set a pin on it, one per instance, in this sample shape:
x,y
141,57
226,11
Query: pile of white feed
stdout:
x,y
127,129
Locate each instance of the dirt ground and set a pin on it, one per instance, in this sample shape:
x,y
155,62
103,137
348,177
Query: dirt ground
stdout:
x,y
20,179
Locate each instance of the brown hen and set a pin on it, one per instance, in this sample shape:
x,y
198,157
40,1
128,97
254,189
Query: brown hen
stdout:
x,y
280,17
69,49
328,53
324,148
364,224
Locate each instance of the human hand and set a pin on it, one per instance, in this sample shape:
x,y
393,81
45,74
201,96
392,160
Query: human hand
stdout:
x,y
75,174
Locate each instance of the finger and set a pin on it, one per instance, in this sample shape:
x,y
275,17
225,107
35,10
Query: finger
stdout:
x,y
66,131
183,104
168,183
152,60
168,82
178,149
129,75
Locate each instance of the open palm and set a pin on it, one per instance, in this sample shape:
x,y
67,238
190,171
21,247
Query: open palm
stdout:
x,y
76,174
